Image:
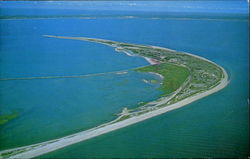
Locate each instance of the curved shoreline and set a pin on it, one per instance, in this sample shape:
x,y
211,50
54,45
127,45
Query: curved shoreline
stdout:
x,y
52,145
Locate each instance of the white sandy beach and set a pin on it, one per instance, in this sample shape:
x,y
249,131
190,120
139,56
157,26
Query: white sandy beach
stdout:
x,y
52,145
72,139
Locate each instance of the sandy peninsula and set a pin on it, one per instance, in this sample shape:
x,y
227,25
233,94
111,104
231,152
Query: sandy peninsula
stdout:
x,y
52,145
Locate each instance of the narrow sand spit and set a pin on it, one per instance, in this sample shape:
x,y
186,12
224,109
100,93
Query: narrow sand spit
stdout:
x,y
52,145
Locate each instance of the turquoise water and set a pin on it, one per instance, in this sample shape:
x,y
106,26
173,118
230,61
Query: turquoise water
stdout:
x,y
68,105
26,53
52,108
215,126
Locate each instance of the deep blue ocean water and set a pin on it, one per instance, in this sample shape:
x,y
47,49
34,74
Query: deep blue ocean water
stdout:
x,y
216,126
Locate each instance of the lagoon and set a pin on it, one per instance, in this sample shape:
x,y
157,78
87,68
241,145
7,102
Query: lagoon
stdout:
x,y
191,131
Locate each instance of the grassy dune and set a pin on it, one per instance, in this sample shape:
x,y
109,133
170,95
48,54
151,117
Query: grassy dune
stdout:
x,y
187,78
174,75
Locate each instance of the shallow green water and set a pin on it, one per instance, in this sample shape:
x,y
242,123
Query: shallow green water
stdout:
x,y
216,126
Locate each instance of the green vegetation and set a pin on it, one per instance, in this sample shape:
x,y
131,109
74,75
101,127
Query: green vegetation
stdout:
x,y
11,153
6,118
154,81
184,75
141,104
123,118
173,75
